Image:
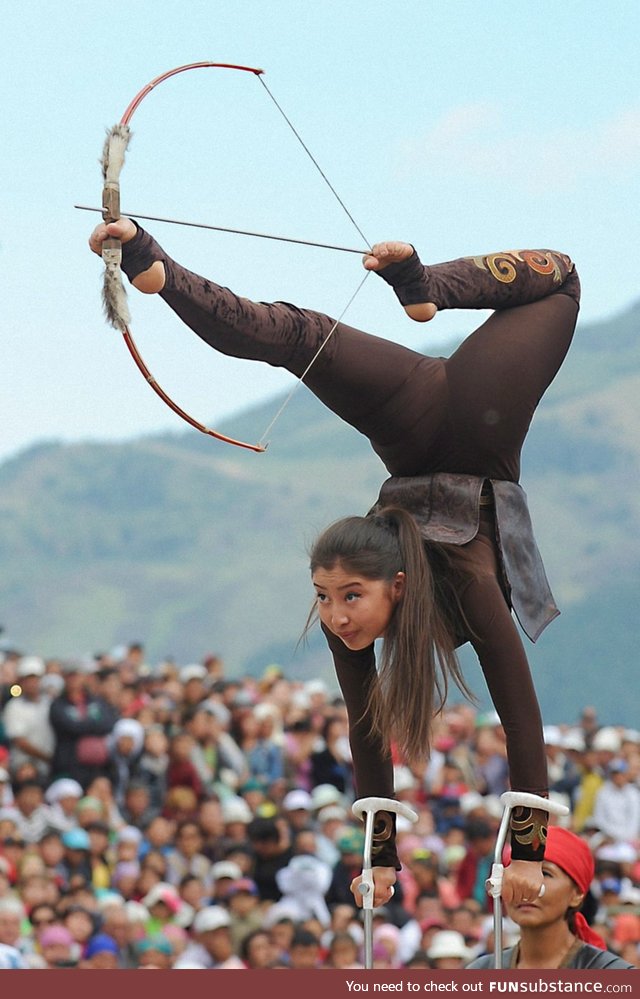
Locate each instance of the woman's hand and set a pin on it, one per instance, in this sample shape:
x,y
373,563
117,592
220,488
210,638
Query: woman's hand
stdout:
x,y
384,879
522,881
383,254
150,281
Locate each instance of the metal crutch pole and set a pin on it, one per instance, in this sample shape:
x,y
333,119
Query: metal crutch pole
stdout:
x,y
511,800
367,808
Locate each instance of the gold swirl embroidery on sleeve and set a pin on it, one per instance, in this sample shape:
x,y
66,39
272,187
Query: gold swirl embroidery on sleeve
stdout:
x,y
544,262
529,827
500,265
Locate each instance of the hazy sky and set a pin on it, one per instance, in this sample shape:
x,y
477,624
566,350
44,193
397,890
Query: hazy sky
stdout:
x,y
462,127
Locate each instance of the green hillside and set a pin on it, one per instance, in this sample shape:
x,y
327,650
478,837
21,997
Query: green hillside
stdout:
x,y
193,546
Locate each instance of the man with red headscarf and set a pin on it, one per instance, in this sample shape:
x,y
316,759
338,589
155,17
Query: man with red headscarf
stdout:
x,y
553,931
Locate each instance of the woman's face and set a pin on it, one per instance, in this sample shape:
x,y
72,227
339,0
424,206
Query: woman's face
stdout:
x,y
354,608
560,894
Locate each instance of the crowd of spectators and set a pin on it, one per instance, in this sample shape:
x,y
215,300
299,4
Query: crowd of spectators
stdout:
x,y
173,817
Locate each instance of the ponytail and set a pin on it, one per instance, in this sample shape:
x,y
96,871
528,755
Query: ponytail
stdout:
x,y
418,653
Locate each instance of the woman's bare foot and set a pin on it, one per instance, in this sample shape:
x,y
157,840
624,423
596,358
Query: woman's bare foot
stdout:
x,y
383,254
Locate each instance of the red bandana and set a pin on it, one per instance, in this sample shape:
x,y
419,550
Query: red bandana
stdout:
x,y
573,856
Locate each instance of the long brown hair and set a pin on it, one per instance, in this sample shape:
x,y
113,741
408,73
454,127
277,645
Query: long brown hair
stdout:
x,y
418,653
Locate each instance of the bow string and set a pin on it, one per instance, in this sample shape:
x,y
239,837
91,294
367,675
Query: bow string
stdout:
x,y
114,295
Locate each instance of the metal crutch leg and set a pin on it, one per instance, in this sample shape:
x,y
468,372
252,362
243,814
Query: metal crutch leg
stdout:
x,y
367,808
511,800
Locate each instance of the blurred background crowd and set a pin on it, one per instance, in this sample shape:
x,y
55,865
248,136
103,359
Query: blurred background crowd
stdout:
x,y
173,817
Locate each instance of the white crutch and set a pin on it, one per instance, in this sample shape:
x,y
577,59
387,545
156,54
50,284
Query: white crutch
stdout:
x,y
511,800
367,808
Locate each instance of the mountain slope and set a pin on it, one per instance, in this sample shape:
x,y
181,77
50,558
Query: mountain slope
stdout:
x,y
192,546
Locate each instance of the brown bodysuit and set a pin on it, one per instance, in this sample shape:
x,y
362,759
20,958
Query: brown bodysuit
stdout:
x,y
467,415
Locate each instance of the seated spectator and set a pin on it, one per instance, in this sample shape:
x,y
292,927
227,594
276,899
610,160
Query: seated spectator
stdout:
x,y
58,948
256,950
332,763
211,946
101,789
12,925
26,720
31,812
553,931
164,905
343,951
476,866
137,809
263,752
305,952
186,857
243,904
617,804
272,852
155,951
101,953
181,772
153,765
125,749
62,796
80,721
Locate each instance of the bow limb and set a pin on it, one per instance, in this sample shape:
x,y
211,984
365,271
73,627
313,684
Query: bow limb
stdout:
x,y
114,294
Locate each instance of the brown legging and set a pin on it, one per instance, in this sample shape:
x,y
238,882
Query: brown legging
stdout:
x,y
466,414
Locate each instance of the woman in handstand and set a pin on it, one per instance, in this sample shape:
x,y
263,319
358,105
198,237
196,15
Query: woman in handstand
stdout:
x,y
447,551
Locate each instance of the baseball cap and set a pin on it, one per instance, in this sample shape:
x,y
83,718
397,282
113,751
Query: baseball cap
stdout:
x,y
30,666
242,885
448,943
323,795
76,839
351,842
212,917
56,935
618,766
297,799
612,885
332,812
236,809
194,671
226,869
102,943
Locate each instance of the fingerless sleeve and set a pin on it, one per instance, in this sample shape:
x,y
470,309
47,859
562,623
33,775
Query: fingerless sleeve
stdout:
x,y
494,281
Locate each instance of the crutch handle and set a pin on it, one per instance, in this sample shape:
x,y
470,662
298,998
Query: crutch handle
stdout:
x,y
522,799
493,884
364,805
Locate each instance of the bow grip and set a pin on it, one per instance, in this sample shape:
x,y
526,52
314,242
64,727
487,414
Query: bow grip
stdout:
x,y
111,247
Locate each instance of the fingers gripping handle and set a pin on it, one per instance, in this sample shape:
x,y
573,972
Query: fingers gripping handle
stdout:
x,y
511,800
366,809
